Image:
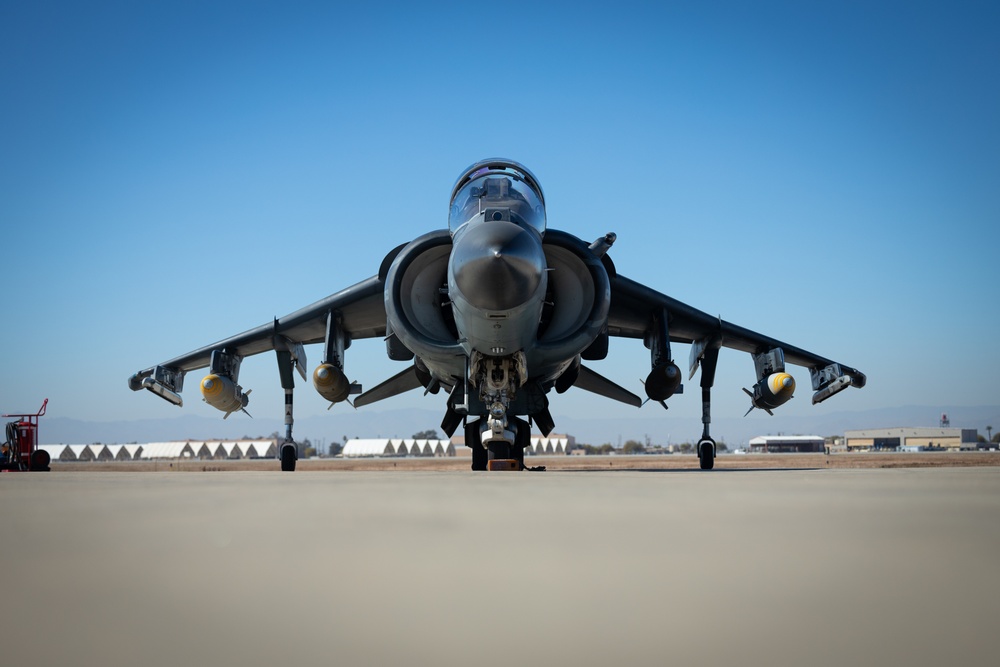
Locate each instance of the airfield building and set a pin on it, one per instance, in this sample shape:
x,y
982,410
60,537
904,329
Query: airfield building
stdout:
x,y
911,439
784,444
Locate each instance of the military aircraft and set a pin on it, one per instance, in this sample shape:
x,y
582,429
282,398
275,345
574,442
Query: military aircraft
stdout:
x,y
496,311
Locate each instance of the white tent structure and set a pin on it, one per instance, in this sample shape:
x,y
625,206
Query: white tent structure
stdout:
x,y
187,449
360,447
260,449
168,450
81,453
60,452
554,445
226,450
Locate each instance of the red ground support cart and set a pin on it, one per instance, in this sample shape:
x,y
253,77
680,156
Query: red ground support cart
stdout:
x,y
20,450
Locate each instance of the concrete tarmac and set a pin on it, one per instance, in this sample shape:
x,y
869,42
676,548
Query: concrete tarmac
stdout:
x,y
741,567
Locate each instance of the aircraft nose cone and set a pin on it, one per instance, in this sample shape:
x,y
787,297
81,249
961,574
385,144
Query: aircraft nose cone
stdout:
x,y
498,266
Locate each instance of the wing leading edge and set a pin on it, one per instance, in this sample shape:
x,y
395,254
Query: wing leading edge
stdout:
x,y
359,312
635,309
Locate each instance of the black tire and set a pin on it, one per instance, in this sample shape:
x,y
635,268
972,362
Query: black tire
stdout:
x,y
288,458
473,442
480,458
518,453
40,460
500,450
522,439
706,454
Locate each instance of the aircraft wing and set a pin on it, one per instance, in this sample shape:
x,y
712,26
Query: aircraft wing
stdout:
x,y
360,313
635,307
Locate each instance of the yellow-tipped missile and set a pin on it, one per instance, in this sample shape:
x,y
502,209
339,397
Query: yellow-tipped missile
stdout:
x,y
223,394
331,383
771,392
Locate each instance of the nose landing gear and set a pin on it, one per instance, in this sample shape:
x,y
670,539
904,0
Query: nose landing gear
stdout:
x,y
498,439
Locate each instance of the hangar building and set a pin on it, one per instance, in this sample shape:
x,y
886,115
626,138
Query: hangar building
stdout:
x,y
911,439
787,444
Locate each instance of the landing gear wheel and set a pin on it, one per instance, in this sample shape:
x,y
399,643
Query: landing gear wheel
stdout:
x,y
480,458
500,450
288,458
518,455
706,453
40,460
473,441
522,439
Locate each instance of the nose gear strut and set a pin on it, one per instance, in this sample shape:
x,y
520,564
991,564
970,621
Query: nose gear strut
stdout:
x,y
498,379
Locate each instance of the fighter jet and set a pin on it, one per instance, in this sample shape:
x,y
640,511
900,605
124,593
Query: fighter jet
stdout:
x,y
495,312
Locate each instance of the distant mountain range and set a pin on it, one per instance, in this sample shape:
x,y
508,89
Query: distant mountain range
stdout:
x,y
659,428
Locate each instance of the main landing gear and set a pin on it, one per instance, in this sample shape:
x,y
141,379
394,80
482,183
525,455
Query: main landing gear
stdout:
x,y
706,445
664,379
289,359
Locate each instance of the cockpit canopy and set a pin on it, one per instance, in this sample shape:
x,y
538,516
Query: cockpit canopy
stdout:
x,y
497,189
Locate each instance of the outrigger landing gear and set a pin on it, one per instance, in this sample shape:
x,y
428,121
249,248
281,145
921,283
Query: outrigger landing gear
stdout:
x,y
706,445
289,453
290,357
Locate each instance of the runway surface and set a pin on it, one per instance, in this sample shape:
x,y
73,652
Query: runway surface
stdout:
x,y
741,567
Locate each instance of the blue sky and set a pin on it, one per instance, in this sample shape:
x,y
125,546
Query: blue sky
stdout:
x,y
174,173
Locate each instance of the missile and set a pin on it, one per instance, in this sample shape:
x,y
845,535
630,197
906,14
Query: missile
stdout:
x,y
771,392
331,383
663,381
223,394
